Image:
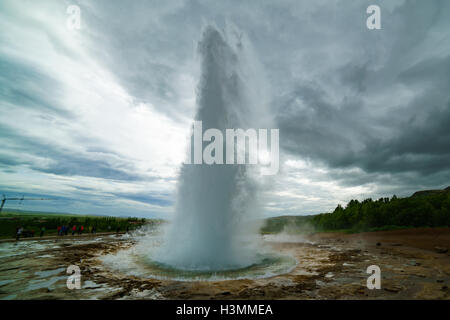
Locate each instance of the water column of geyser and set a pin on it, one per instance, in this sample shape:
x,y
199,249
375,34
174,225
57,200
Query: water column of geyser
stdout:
x,y
212,228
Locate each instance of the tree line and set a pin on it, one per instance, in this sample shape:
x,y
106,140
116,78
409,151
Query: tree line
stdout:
x,y
423,209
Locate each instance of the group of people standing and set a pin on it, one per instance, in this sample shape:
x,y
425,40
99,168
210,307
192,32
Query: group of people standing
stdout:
x,y
64,230
61,231
20,231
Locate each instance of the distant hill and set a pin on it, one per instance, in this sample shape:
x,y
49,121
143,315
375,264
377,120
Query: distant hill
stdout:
x,y
429,192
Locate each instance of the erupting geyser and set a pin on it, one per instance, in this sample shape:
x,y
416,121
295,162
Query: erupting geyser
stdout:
x,y
214,234
214,223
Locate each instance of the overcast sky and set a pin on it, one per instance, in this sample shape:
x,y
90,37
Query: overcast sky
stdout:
x,y
98,117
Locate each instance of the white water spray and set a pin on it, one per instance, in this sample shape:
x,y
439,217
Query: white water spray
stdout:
x,y
214,224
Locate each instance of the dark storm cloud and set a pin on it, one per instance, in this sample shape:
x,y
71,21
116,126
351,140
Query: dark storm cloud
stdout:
x,y
335,120
315,127
343,136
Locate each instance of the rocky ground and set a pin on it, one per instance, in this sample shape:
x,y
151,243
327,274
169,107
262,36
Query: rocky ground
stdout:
x,y
414,263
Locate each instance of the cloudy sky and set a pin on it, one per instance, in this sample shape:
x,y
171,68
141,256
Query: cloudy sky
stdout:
x,y
98,117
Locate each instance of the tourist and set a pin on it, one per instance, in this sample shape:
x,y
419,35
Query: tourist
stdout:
x,y
42,231
74,229
19,232
58,229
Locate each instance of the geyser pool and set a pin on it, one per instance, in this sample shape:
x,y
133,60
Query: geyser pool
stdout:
x,y
136,262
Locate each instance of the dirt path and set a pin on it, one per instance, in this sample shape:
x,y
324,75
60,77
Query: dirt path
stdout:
x,y
69,236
